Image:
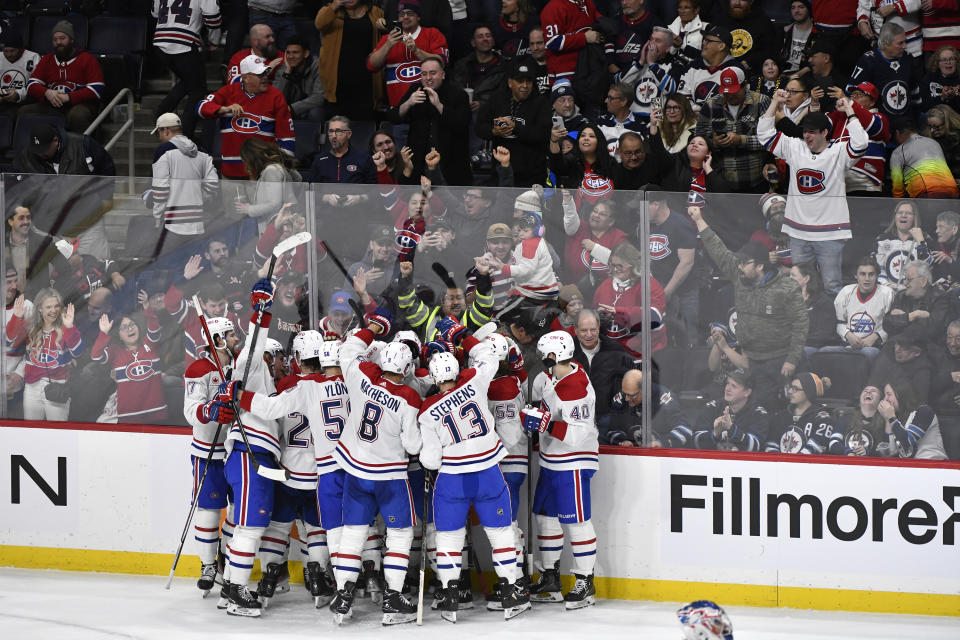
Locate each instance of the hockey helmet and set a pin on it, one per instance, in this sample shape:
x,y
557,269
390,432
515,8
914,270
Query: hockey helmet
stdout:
x,y
410,339
330,353
396,358
559,343
218,327
499,344
444,367
273,347
306,344
704,620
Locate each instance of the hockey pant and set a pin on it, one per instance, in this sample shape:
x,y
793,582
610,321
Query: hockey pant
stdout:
x,y
562,504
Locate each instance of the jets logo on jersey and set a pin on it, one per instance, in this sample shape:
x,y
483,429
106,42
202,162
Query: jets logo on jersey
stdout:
x,y
13,79
742,42
895,96
860,439
936,89
408,72
645,92
704,90
659,246
139,370
791,442
895,265
862,323
246,123
732,321
810,181
590,263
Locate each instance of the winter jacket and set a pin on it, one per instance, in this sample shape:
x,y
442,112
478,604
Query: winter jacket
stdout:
x,y
301,88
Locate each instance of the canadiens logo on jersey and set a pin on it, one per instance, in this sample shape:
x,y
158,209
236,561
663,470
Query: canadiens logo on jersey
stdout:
x,y
408,71
407,240
43,357
246,123
862,323
64,85
742,42
659,246
895,95
591,263
138,370
810,181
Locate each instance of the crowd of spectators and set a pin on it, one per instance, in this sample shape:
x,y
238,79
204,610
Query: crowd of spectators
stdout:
x,y
532,151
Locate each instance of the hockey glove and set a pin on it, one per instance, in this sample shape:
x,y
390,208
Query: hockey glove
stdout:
x,y
515,359
381,317
216,411
451,330
435,346
535,419
261,295
229,392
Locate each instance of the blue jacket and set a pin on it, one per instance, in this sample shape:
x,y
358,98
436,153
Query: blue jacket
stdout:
x,y
355,167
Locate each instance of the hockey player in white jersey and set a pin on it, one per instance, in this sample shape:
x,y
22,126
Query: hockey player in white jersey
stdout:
x,y
460,441
381,431
252,492
568,459
316,405
206,414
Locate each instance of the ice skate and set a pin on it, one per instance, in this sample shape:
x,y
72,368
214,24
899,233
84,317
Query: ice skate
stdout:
x,y
582,595
449,601
268,583
342,605
243,602
397,609
465,591
208,578
515,600
224,595
318,584
370,582
495,597
547,588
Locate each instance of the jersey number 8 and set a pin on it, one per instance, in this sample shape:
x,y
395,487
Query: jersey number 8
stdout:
x,y
471,413
370,422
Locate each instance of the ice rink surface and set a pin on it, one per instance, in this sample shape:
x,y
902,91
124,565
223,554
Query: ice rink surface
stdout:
x,y
37,605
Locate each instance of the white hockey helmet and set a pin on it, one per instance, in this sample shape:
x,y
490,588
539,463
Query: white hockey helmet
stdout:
x,y
559,343
330,353
396,358
306,344
273,347
444,367
704,620
410,339
218,327
499,344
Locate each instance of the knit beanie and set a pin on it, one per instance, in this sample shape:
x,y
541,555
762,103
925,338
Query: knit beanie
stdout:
x,y
528,201
568,292
813,385
767,201
65,27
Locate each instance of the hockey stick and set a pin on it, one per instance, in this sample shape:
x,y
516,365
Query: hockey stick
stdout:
x,y
444,275
529,550
357,309
423,546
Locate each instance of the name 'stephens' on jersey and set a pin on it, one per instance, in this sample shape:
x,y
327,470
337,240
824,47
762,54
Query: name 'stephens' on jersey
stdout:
x,y
380,396
454,400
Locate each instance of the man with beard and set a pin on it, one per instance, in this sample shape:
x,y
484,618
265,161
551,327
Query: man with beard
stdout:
x,y
263,45
343,164
299,81
377,263
423,318
215,267
519,119
499,247
633,170
754,37
483,69
701,80
797,35
67,82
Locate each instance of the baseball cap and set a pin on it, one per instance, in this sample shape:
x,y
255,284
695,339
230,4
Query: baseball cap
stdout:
x,y
521,71
41,135
822,46
253,64
815,121
743,377
383,235
869,89
166,120
340,301
754,250
720,33
731,79
499,230
409,5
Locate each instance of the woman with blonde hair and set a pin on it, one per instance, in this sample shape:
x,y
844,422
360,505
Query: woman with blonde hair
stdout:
x,y
941,85
678,123
273,170
943,125
52,342
902,242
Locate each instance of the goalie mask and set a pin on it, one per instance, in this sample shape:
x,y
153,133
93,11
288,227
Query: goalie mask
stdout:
x,y
704,620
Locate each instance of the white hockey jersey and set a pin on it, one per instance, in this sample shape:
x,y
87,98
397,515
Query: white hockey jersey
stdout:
x,y
531,268
382,426
179,23
816,200
862,315
201,381
572,439
15,75
459,431
505,399
261,432
324,404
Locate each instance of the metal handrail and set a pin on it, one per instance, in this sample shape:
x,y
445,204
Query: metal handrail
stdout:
x,y
127,126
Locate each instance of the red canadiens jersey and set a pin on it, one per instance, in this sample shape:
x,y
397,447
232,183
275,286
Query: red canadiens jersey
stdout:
x,y
138,375
80,77
50,357
402,68
837,16
265,116
940,25
579,261
194,341
628,303
565,23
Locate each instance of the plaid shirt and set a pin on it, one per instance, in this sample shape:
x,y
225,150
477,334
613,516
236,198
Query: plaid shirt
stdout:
x,y
740,166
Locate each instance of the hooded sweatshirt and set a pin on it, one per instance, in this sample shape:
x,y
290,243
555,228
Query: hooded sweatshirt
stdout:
x,y
182,176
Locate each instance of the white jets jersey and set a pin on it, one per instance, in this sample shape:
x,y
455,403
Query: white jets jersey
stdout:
x,y
382,426
201,381
459,431
15,75
572,440
179,23
816,200
862,315
505,399
261,432
324,405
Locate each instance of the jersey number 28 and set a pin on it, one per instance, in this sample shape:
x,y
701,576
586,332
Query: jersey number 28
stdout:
x,y
476,425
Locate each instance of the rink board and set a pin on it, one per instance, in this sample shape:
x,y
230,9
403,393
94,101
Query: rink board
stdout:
x,y
750,529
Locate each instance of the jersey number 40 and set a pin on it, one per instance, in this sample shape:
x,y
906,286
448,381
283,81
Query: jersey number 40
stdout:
x,y
472,421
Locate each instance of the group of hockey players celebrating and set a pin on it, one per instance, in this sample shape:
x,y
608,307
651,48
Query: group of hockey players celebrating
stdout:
x,y
377,436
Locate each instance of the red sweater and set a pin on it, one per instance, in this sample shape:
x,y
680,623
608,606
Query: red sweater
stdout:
x,y
402,68
578,260
565,23
50,359
79,77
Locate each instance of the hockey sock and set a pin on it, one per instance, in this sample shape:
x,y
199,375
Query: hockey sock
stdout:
x,y
518,541
416,549
346,561
206,531
431,543
449,554
583,541
372,548
274,543
397,558
317,549
504,552
226,535
333,541
549,541
242,550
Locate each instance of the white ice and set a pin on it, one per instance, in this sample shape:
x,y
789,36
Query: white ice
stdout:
x,y
83,606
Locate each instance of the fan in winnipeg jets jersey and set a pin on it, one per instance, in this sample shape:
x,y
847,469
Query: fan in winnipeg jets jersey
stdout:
x,y
381,431
314,408
459,441
568,459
